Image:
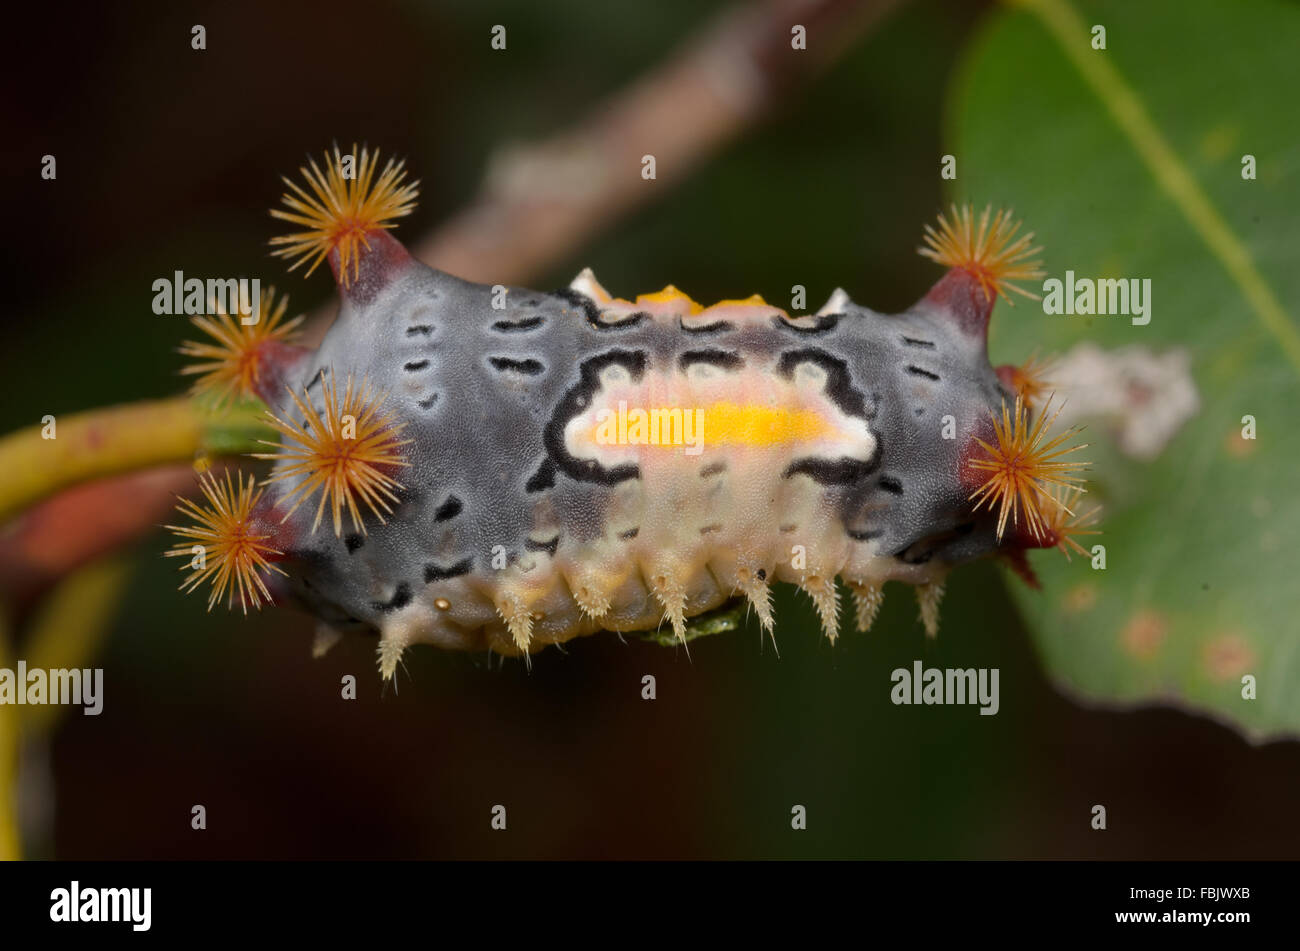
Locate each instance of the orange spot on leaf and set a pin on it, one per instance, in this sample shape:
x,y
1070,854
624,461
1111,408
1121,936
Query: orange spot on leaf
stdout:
x,y
1227,656
1144,634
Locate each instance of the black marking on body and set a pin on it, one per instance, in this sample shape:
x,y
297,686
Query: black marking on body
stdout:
x,y
576,399
707,529
518,326
630,534
839,383
428,402
628,322
712,469
401,598
415,366
593,313
717,327
842,471
722,359
449,509
890,484
434,572
840,391
542,479
917,371
528,366
315,558
923,549
581,301
917,342
354,541
912,555
419,330
822,323
550,547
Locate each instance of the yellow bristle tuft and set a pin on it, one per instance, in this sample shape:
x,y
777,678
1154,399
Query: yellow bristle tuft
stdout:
x,y
232,364
1029,380
340,212
233,554
342,455
1022,466
1064,523
990,251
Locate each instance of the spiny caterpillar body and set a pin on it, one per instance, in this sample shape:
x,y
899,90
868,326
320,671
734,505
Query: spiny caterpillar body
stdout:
x,y
474,472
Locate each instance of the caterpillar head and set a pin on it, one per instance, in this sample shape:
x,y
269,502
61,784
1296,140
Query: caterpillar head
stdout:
x,y
1007,481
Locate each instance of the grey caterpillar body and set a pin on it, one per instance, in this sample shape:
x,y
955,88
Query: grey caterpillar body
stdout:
x,y
549,465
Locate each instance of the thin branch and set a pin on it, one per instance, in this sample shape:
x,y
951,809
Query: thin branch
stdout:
x,y
117,439
10,841
80,524
542,201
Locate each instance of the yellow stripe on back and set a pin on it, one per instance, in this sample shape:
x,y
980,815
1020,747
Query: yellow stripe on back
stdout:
x,y
756,425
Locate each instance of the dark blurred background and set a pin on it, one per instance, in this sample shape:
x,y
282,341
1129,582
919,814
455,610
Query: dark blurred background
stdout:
x,y
169,159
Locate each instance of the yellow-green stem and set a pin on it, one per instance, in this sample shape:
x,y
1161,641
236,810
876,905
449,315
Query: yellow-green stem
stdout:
x,y
41,460
10,844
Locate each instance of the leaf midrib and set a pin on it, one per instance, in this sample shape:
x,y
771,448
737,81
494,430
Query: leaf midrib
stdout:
x,y
1126,108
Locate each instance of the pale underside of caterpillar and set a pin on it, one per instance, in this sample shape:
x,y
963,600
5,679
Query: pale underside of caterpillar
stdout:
x,y
481,467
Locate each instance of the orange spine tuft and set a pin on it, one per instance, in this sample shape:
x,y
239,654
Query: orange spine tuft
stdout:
x,y
342,210
1022,466
989,251
343,454
1064,523
232,363
1029,380
233,553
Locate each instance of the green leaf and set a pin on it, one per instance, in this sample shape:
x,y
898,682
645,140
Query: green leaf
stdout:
x,y
1127,162
723,619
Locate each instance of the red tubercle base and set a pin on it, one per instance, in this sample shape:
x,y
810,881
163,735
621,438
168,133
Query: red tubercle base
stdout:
x,y
1018,537
1008,374
265,520
960,297
276,366
1018,562
968,476
380,259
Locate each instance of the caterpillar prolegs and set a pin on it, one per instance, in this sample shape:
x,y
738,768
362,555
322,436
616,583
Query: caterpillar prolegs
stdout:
x,y
486,467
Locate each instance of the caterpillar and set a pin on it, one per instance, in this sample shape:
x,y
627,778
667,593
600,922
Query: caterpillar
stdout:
x,y
481,467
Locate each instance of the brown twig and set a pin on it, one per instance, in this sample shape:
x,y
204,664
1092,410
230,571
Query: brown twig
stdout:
x,y
80,524
541,201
